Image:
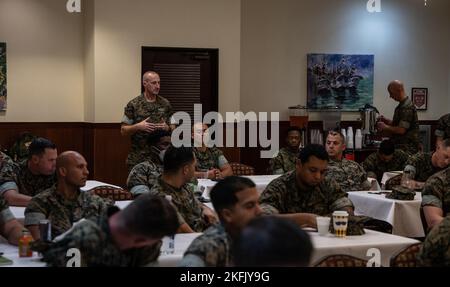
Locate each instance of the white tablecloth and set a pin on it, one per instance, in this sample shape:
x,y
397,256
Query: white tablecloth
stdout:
x,y
182,242
12,252
261,181
90,184
357,246
403,215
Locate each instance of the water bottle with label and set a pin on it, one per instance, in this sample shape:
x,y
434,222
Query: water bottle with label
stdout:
x,y
168,242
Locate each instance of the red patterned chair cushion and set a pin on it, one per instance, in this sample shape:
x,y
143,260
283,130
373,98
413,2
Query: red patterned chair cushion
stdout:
x,y
113,193
341,261
406,257
241,169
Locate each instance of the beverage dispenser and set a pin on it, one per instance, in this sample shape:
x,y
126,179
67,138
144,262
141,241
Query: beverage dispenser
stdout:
x,y
369,123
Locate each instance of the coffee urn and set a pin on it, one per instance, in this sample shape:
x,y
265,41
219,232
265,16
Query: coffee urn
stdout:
x,y
369,123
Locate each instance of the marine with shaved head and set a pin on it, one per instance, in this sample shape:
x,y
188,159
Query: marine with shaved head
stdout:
x,y
403,129
64,203
143,116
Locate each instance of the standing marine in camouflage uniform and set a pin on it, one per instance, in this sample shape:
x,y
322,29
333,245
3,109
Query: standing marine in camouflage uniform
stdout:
x,y
443,128
179,169
348,174
19,182
129,237
305,192
143,115
286,158
435,249
404,127
10,228
210,160
386,159
424,165
144,175
64,204
236,201
436,197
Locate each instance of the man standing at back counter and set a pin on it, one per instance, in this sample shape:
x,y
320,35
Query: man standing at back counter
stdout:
x,y
403,129
143,115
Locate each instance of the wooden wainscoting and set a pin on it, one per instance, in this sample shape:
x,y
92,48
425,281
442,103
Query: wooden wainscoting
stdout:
x,y
106,150
109,151
67,136
102,145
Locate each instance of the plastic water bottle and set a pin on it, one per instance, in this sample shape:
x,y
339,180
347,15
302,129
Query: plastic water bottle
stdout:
x,y
168,246
358,139
344,134
350,138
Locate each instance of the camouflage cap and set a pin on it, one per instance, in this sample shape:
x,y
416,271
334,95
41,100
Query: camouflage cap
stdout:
x,y
401,193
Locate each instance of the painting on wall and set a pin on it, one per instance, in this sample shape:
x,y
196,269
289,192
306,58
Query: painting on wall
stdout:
x,y
338,80
2,76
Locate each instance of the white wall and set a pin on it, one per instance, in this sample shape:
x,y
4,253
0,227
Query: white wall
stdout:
x,y
123,27
410,43
89,62
86,67
44,61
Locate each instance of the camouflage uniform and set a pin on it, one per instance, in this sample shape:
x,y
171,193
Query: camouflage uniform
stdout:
x,y
138,110
348,174
142,177
5,214
436,191
285,195
19,150
284,161
97,248
189,209
443,127
435,249
19,177
211,249
61,212
212,157
421,166
4,159
405,116
375,167
5,164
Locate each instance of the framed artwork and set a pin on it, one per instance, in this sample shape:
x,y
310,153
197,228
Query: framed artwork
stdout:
x,y
338,80
2,76
419,97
